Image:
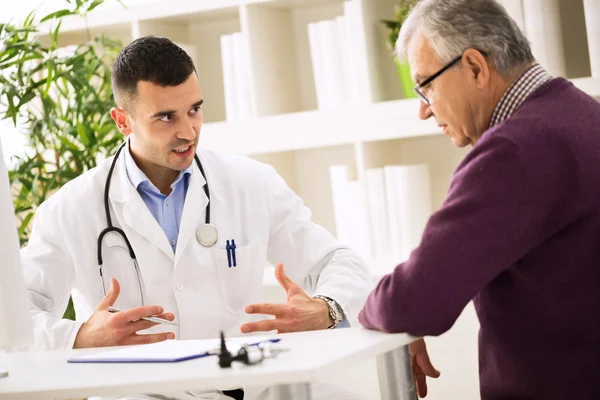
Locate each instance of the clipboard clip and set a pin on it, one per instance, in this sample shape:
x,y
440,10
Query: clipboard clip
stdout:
x,y
248,355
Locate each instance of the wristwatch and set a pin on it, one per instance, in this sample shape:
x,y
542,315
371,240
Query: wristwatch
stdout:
x,y
335,311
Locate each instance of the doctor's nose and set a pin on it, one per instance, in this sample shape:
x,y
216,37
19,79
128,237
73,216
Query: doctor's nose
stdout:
x,y
188,131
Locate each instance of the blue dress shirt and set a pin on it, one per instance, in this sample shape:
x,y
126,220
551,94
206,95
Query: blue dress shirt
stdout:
x,y
166,210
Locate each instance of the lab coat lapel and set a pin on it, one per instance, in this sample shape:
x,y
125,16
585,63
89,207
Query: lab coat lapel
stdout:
x,y
135,212
194,207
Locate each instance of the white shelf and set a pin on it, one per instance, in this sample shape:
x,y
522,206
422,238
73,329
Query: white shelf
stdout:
x,y
183,10
314,129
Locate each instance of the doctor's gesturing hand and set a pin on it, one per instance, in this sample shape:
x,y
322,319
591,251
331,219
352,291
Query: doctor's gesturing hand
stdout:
x,y
107,329
300,313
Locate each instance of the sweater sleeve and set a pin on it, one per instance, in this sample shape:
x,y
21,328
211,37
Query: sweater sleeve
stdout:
x,y
491,218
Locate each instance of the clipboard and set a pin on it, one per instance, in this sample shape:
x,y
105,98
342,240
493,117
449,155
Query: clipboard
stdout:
x,y
170,351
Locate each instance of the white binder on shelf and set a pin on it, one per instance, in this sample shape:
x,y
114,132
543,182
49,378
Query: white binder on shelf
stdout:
x,y
414,205
356,34
393,212
409,206
592,23
349,211
318,59
241,69
330,44
229,78
378,212
542,24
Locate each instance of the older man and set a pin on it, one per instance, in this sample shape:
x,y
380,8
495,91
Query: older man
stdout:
x,y
519,232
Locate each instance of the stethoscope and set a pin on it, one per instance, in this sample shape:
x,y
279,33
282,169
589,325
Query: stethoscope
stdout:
x,y
207,235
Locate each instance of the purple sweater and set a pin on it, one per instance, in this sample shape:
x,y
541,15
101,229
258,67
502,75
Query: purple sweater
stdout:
x,y
519,234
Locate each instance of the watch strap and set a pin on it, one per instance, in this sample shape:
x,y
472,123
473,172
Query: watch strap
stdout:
x,y
335,311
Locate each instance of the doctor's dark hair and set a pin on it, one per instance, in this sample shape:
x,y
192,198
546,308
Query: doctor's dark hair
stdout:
x,y
153,59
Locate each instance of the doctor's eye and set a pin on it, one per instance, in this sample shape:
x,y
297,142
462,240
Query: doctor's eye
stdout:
x,y
195,110
167,118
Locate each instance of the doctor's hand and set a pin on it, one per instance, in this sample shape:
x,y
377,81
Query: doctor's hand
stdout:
x,y
422,367
118,329
300,313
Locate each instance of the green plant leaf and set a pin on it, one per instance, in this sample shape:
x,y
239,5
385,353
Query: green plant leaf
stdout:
x,y
401,11
392,24
26,98
70,311
68,143
94,4
25,223
54,35
25,30
51,184
49,78
11,111
29,20
57,14
61,104
69,174
20,61
83,135
8,55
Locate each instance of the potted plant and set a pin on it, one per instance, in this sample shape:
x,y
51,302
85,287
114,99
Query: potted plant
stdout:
x,y
59,99
401,11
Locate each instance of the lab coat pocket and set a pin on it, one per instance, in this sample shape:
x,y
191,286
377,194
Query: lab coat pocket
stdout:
x,y
241,284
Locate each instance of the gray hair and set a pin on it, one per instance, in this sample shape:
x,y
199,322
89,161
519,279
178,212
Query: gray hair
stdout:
x,y
452,26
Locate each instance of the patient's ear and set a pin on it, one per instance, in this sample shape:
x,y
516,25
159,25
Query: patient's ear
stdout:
x,y
479,67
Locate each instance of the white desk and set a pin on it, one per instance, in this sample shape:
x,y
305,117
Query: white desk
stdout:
x,y
312,355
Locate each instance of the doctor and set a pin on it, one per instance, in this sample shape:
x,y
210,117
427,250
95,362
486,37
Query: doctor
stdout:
x,y
167,229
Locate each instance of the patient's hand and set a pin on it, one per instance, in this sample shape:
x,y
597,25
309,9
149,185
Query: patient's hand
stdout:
x,y
422,367
107,329
300,313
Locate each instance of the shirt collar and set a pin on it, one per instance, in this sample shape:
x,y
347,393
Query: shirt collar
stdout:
x,y
518,92
137,177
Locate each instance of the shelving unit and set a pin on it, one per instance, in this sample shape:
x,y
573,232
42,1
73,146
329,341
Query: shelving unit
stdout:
x,y
288,131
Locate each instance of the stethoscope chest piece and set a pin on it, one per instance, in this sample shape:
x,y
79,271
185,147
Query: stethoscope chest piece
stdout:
x,y
207,235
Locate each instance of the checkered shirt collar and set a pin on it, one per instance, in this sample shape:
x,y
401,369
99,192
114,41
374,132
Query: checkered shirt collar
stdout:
x,y
518,92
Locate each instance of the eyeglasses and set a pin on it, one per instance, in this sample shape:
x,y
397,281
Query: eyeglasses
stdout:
x,y
419,88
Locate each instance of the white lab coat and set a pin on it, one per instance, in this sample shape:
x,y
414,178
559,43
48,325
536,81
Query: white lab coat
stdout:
x,y
250,203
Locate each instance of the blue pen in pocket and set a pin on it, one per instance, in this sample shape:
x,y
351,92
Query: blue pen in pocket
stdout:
x,y
233,247
228,248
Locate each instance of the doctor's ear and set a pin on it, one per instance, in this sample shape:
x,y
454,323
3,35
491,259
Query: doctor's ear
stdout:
x,y
120,117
